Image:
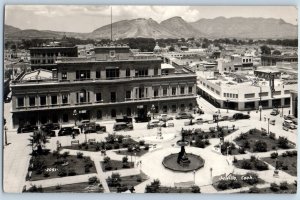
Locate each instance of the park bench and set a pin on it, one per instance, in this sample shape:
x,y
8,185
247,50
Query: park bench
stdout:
x,y
75,142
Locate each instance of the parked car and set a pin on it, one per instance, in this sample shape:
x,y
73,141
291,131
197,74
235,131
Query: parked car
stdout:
x,y
200,111
125,119
93,127
240,116
289,124
142,119
164,117
295,121
272,121
49,128
198,120
82,123
184,116
118,126
155,123
68,131
27,128
289,117
274,112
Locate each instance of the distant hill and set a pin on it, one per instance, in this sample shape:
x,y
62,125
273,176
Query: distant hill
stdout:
x,y
239,27
175,27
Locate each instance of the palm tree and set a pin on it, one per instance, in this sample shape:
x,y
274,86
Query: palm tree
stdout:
x,y
37,140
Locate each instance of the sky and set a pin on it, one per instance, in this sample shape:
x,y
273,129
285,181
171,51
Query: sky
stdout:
x,y
81,18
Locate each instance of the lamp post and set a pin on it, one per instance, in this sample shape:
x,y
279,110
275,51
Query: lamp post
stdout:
x,y
153,110
227,104
75,115
194,173
281,114
5,134
268,126
260,106
211,177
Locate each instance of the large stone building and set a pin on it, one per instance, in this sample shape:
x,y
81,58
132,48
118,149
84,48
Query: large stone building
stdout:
x,y
113,83
270,60
45,57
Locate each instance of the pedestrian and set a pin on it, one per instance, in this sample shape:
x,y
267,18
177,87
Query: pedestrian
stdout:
x,y
265,118
73,135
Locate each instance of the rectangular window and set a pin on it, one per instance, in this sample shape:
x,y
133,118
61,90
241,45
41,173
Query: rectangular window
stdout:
x,y
42,100
112,53
64,99
277,93
31,101
155,71
127,72
250,95
155,92
99,114
98,96
165,91
98,74
264,94
83,74
21,102
65,117
174,108
225,94
128,94
141,72
173,91
113,97
112,73
181,90
190,89
53,100
64,76
287,92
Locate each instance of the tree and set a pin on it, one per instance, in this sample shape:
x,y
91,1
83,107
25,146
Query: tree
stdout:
x,y
260,146
283,143
172,48
153,187
37,140
265,50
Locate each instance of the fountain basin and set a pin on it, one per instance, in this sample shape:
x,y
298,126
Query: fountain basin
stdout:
x,y
170,162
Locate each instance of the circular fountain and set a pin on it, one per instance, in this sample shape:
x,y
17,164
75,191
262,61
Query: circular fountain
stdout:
x,y
182,161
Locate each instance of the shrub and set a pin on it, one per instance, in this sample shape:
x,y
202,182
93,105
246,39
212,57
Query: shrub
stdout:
x,y
283,143
250,178
274,155
55,153
120,138
108,146
241,150
86,147
130,149
110,138
284,185
34,188
285,167
253,158
146,147
260,146
195,189
79,146
284,154
116,145
289,153
153,187
106,159
93,180
223,185
246,144
126,165
108,166
142,142
58,187
125,159
243,136
274,187
71,172
234,160
260,165
254,190
272,136
79,155
62,172
206,142
235,184
200,143
86,169
246,164
46,174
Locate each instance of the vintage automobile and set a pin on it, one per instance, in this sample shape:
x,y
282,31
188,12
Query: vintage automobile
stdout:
x,y
68,131
27,128
164,117
118,126
155,123
237,116
274,112
125,119
93,127
184,115
289,124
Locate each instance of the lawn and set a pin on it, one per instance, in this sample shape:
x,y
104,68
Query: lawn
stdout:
x,y
122,184
286,163
115,165
257,141
55,165
98,146
234,181
251,164
134,152
291,189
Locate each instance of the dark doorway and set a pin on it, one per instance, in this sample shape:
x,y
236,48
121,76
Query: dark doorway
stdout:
x,y
84,115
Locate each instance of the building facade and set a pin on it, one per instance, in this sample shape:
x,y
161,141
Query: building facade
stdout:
x,y
270,60
114,83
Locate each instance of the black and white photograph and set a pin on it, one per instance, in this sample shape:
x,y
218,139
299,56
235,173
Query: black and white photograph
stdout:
x,y
150,99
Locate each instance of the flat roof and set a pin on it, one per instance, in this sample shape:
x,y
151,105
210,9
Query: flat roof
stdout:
x,y
166,66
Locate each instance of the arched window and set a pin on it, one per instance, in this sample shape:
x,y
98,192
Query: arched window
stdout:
x,y
82,97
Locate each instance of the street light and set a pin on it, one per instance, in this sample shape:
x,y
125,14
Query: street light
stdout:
x,y
227,104
194,172
211,169
260,106
75,115
5,133
268,126
153,110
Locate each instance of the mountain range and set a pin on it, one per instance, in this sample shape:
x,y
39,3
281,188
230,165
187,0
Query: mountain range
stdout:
x,y
175,27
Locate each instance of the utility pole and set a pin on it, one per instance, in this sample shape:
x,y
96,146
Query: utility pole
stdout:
x,y
260,106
